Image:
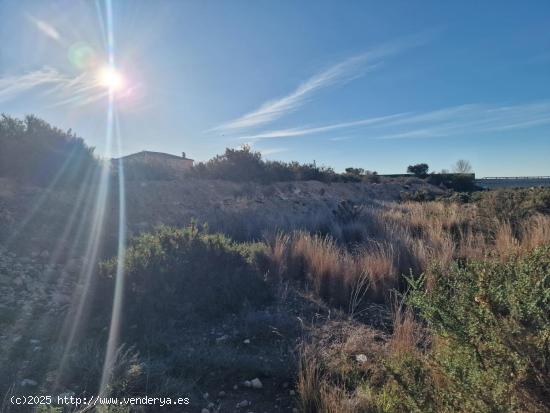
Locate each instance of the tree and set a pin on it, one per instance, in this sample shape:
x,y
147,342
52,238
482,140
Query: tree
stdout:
x,y
462,167
355,171
33,151
420,169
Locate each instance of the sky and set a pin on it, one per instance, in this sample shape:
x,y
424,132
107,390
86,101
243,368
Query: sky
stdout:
x,y
370,84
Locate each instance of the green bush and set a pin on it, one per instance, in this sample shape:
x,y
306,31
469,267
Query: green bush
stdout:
x,y
419,169
245,165
173,273
491,321
35,152
456,182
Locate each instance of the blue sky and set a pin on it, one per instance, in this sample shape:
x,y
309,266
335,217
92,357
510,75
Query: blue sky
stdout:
x,y
370,84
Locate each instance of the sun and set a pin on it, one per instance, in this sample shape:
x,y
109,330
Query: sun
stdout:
x,y
110,78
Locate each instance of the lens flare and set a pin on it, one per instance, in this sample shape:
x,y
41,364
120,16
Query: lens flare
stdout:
x,y
110,78
82,55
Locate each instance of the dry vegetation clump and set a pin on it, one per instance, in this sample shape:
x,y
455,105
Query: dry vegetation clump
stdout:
x,y
350,367
396,239
332,272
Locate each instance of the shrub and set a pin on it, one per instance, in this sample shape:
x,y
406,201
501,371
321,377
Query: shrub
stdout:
x,y
245,165
421,195
492,330
234,165
35,152
420,169
175,272
512,205
456,182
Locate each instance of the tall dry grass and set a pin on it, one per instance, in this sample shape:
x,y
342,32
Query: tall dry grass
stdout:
x,y
396,239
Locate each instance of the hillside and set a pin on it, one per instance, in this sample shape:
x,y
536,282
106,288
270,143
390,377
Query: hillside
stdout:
x,y
243,210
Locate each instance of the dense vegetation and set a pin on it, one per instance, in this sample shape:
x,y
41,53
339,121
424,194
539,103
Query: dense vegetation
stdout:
x,y
244,165
173,274
32,151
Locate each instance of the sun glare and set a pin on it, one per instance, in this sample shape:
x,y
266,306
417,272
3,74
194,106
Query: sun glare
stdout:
x,y
110,78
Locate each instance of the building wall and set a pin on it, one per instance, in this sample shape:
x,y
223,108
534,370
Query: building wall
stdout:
x,y
169,161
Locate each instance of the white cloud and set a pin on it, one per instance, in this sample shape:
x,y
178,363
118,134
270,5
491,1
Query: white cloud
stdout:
x,y
285,133
11,86
59,89
468,119
339,73
45,27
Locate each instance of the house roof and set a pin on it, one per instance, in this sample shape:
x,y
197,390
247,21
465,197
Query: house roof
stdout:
x,y
160,154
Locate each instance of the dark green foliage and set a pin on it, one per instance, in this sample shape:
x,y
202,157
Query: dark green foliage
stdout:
x,y
245,165
456,182
492,321
234,165
355,171
33,151
420,169
174,273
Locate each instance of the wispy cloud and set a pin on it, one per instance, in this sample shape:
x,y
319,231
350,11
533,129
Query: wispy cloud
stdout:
x,y
45,27
468,119
11,86
338,74
58,88
293,132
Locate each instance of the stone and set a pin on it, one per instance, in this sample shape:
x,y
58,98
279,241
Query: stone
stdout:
x,y
256,383
205,396
247,341
247,383
28,382
221,394
244,403
361,358
205,410
291,392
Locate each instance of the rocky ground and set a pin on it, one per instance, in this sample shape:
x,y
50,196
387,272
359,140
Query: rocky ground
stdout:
x,y
243,363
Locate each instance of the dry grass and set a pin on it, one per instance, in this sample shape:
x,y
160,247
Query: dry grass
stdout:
x,y
332,272
397,239
344,367
407,333
327,363
349,367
